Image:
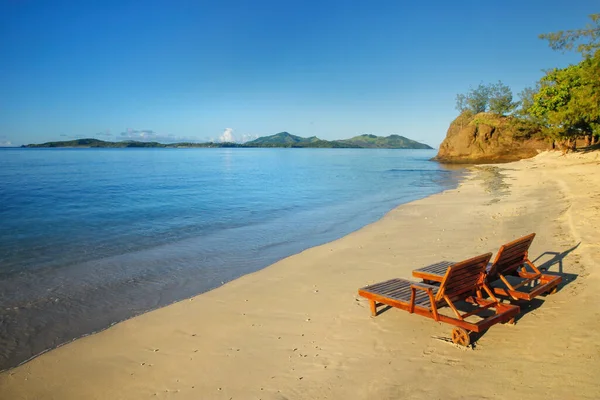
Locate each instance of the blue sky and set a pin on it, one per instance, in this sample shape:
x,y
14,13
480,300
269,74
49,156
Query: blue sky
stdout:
x,y
192,70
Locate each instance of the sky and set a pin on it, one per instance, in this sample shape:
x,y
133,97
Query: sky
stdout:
x,y
231,69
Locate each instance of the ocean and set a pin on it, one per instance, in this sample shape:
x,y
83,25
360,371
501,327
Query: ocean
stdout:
x,y
90,237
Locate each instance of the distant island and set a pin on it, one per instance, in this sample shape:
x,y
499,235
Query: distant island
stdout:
x,y
282,139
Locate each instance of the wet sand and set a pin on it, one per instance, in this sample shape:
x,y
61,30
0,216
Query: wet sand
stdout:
x,y
298,330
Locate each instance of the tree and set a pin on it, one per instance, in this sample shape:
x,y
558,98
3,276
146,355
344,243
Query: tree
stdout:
x,y
566,40
526,99
501,99
496,98
569,98
475,100
461,103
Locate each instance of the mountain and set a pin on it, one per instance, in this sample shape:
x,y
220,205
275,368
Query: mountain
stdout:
x,y
282,139
96,143
285,139
380,142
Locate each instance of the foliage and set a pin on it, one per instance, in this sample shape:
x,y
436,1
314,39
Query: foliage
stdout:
x,y
526,100
571,39
501,99
564,104
568,99
489,119
475,100
496,98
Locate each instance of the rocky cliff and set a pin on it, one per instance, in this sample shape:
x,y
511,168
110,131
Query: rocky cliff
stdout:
x,y
488,138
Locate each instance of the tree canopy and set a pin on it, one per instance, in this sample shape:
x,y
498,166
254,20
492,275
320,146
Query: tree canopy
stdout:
x,y
565,103
586,40
496,98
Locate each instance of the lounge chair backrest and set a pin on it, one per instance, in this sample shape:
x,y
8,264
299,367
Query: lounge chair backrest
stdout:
x,y
463,278
511,256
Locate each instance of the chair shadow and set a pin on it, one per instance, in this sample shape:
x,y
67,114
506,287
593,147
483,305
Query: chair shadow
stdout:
x,y
555,263
557,258
384,309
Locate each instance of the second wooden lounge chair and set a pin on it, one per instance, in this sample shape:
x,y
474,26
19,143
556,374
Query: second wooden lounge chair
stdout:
x,y
462,281
512,260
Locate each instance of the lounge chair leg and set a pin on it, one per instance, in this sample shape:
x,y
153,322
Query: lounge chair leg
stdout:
x,y
373,306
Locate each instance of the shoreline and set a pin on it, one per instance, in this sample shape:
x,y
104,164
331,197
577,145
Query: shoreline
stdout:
x,y
62,329
297,329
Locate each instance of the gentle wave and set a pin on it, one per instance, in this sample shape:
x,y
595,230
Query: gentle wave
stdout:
x,y
91,237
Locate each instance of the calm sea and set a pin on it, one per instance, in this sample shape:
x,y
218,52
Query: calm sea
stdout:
x,y
89,237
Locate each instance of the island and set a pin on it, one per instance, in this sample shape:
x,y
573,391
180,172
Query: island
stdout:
x,y
282,139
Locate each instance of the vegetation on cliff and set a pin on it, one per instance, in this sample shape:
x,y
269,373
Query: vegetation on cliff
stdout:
x,y
489,137
496,98
564,106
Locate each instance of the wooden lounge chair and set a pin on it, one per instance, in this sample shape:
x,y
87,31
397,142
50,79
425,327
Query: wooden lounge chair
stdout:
x,y
512,260
462,281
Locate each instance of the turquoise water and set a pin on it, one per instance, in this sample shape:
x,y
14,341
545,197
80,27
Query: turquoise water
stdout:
x,y
89,237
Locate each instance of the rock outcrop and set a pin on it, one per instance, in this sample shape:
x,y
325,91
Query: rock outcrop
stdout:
x,y
488,138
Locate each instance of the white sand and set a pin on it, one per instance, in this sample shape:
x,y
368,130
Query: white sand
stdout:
x,y
298,330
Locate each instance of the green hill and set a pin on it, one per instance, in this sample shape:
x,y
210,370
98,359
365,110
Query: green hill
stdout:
x,y
96,143
380,142
282,139
285,139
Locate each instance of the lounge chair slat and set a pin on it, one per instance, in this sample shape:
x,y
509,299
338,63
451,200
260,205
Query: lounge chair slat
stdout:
x,y
393,289
398,290
463,277
513,253
509,260
437,268
519,256
461,281
383,285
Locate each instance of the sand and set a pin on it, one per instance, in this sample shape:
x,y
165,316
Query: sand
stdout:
x,y
298,330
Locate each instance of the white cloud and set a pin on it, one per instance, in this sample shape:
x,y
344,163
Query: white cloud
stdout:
x,y
5,143
227,136
248,137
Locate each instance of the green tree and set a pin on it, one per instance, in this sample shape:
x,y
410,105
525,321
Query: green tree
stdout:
x,y
496,98
568,100
475,100
526,99
501,99
572,39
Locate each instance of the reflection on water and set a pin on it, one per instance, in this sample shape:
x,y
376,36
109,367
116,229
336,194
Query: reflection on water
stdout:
x,y
90,237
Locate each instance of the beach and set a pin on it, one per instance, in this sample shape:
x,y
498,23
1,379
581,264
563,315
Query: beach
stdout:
x,y
298,330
